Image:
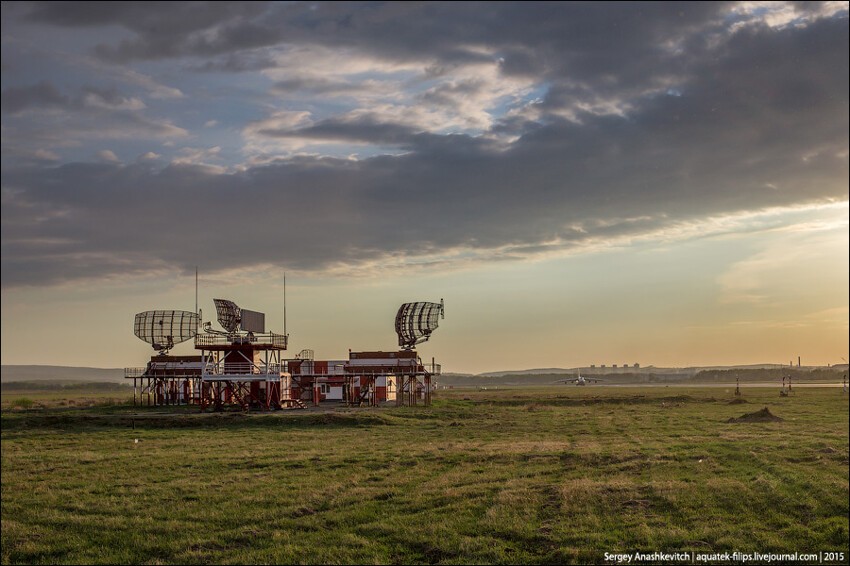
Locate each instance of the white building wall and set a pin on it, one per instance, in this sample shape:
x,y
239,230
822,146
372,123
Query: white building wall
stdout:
x,y
334,393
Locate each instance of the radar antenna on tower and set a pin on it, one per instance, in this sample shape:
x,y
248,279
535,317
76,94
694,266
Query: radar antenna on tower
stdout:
x,y
234,319
415,322
229,315
164,329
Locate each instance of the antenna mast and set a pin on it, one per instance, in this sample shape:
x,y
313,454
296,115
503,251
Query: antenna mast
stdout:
x,y
284,304
196,288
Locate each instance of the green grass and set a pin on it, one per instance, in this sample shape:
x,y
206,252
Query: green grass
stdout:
x,y
28,395
551,475
23,403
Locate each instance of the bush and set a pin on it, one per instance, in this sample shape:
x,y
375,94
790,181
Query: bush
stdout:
x,y
23,403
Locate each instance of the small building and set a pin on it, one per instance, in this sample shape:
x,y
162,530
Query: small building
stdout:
x,y
328,376
371,378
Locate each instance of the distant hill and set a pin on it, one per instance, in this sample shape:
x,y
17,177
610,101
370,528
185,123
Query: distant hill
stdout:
x,y
64,373
552,379
628,370
745,367
611,376
540,371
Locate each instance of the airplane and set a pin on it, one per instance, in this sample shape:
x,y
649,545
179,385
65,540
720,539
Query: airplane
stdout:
x,y
580,380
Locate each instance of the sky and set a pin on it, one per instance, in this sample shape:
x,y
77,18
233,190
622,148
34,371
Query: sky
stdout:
x,y
582,183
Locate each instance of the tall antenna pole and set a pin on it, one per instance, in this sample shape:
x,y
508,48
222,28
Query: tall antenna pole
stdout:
x,y
284,304
196,288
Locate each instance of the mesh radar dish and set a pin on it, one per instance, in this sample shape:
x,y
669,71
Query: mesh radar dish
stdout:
x,y
163,329
415,322
229,315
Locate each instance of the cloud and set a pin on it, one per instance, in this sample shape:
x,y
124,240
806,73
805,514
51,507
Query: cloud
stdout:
x,y
199,157
489,135
30,157
108,156
46,96
568,184
236,63
781,14
391,103
38,96
364,128
167,31
155,89
110,99
41,115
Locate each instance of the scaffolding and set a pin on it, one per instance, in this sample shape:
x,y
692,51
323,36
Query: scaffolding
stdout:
x,y
245,370
166,380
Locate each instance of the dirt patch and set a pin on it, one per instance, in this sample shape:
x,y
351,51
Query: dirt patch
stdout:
x,y
303,511
738,401
762,416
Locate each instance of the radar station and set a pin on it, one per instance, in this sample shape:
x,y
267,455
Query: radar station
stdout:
x,y
241,363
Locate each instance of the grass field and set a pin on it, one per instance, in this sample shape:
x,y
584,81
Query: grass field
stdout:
x,y
548,475
49,394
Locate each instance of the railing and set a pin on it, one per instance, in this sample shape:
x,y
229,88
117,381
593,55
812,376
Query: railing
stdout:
x,y
243,368
436,369
333,371
265,339
165,369
348,371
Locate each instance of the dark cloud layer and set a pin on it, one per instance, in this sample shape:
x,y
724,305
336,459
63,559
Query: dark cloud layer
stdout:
x,y
41,95
163,29
45,96
605,47
714,122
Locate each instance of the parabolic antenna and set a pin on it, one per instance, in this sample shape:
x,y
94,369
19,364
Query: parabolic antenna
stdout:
x,y
229,315
233,319
163,329
415,322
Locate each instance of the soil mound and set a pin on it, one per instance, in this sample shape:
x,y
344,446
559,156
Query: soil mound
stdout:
x,y
738,401
763,416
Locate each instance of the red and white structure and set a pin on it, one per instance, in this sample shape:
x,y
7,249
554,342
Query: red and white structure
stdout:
x,y
243,364
366,378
